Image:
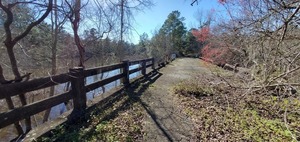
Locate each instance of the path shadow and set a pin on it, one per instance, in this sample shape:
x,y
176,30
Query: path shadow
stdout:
x,y
75,125
136,92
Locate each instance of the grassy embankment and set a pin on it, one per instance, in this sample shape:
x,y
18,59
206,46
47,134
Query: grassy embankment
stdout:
x,y
225,113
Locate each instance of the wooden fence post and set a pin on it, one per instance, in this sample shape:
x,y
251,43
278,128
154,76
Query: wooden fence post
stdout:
x,y
165,60
78,89
125,72
153,64
144,67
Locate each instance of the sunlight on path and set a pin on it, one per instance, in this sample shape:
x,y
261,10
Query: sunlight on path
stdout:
x,y
165,122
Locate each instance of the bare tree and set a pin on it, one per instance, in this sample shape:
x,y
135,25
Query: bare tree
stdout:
x,y
119,53
125,10
266,33
11,39
74,17
56,24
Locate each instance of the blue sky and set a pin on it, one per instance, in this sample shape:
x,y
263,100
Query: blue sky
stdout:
x,y
153,18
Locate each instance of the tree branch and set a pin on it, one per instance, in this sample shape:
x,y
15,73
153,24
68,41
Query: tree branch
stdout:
x,y
194,2
284,74
35,23
7,23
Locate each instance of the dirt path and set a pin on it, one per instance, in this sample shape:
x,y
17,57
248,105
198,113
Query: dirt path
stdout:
x,y
122,118
165,122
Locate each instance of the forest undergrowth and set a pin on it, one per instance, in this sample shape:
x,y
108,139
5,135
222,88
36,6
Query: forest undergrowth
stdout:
x,y
224,110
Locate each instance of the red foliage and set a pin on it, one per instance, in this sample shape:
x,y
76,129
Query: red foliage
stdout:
x,y
215,55
208,52
215,50
212,52
202,35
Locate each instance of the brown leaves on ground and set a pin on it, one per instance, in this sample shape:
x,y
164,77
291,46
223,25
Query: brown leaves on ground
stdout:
x,y
224,113
121,120
126,127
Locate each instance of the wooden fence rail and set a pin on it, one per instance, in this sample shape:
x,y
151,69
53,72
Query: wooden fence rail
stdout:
x,y
77,93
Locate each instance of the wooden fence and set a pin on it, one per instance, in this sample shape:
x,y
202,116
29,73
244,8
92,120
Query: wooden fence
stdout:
x,y
77,93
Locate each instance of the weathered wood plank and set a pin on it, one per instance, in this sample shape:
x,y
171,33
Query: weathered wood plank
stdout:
x,y
20,113
139,61
98,70
149,59
150,65
135,70
10,90
135,62
17,114
103,82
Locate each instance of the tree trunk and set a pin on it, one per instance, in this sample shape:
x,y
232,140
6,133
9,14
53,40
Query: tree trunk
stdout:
x,y
18,78
2,79
17,124
54,35
120,54
10,103
102,62
13,62
75,24
10,42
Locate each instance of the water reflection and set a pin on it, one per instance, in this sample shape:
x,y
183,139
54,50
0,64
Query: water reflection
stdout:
x,y
59,89
9,132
